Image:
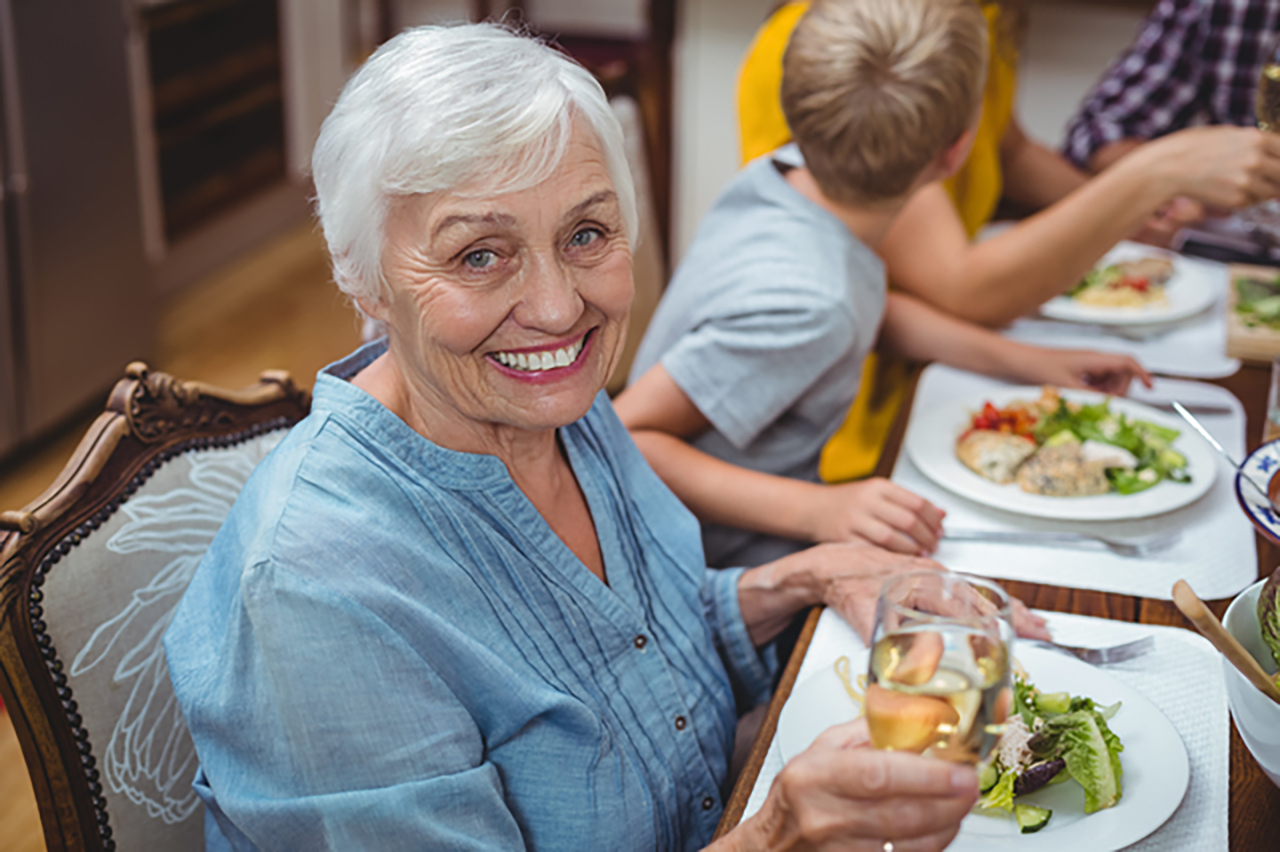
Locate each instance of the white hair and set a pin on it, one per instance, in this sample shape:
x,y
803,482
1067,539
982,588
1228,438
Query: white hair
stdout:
x,y
438,108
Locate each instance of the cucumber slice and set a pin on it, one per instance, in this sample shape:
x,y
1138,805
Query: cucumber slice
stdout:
x,y
988,775
1053,702
1030,818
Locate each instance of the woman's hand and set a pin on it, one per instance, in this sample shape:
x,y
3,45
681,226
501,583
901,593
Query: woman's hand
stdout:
x,y
846,577
1107,372
876,511
841,794
1220,166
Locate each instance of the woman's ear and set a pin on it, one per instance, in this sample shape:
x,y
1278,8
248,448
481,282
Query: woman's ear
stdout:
x,y
373,309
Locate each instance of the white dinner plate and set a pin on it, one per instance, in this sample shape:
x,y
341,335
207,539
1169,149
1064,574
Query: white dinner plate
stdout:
x,y
1154,762
1193,287
1262,466
931,445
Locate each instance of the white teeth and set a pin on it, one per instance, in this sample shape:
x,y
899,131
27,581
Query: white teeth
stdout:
x,y
537,361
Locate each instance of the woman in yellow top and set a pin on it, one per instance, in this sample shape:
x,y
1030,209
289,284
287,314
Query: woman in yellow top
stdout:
x,y
929,251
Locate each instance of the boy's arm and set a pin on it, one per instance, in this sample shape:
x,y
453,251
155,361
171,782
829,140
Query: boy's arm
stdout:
x,y
917,331
662,419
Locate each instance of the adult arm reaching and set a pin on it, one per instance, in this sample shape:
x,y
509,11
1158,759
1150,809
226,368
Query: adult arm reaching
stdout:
x,y
995,281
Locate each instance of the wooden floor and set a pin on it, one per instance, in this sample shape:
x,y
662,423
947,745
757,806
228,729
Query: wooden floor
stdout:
x,y
277,309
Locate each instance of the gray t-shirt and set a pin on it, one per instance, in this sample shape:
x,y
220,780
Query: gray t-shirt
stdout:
x,y
765,326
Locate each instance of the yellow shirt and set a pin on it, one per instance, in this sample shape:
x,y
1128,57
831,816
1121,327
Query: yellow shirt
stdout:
x,y
975,188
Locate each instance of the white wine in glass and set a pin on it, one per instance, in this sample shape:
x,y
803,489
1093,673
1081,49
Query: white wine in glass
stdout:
x,y
1266,104
938,682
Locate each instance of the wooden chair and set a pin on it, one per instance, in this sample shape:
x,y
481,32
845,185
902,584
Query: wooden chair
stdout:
x,y
90,574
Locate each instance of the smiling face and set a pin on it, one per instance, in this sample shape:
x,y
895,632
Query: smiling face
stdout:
x,y
508,311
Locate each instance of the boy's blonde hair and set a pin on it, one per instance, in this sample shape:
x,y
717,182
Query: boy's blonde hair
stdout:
x,y
875,90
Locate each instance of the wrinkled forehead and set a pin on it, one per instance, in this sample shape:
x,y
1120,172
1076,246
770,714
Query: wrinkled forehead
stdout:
x,y
578,181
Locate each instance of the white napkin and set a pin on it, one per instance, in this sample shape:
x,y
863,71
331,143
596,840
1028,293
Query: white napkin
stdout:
x,y
1199,715
1195,348
1216,555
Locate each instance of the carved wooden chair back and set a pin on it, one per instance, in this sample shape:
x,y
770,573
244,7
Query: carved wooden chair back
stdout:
x,y
89,576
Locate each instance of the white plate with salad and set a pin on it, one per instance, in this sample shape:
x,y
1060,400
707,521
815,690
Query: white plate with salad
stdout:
x,y
1166,468
1154,775
1127,287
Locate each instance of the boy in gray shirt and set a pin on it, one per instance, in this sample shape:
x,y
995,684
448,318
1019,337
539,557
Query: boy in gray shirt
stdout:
x,y
753,357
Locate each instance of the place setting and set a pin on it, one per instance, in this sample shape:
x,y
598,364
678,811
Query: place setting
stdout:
x,y
940,674
1065,503
1166,309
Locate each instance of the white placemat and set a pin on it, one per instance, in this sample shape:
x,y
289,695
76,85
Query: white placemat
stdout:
x,y
1195,348
1217,554
1200,715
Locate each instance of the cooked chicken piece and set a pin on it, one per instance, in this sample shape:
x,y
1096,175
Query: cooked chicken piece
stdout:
x,y
1108,455
1157,270
994,455
1063,471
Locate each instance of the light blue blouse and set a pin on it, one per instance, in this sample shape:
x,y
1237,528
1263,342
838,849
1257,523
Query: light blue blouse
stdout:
x,y
386,647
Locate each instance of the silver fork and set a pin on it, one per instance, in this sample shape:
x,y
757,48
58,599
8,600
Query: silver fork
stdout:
x,y
1135,547
1103,656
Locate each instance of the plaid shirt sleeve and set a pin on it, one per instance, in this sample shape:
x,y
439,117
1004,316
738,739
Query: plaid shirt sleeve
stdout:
x,y
1151,88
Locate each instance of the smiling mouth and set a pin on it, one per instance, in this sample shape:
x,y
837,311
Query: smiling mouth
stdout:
x,y
536,362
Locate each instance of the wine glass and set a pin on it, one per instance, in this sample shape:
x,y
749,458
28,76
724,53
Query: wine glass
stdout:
x,y
1266,101
1263,220
939,682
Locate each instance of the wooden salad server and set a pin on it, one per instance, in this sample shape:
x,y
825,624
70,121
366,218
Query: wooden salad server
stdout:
x,y
1207,623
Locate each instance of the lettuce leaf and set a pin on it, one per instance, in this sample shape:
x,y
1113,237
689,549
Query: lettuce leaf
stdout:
x,y
1091,751
1000,796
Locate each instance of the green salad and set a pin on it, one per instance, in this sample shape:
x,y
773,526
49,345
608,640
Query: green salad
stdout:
x,y
1052,738
1150,445
1258,301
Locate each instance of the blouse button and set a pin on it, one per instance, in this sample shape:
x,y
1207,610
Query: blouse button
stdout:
x,y
708,803
641,641
680,723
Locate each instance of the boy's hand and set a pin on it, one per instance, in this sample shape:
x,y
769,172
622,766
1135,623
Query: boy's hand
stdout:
x,y
1107,372
877,511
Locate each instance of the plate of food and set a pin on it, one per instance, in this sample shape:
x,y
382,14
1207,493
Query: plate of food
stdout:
x,y
1136,285
1070,455
1111,768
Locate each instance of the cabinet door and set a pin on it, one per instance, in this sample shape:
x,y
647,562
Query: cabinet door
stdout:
x,y
85,287
10,413
8,346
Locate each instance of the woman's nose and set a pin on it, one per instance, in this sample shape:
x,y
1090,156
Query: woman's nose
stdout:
x,y
550,300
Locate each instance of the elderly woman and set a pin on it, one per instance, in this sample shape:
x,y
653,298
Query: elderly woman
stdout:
x,y
455,608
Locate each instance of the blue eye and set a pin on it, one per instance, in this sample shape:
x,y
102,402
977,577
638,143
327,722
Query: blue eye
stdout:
x,y
480,259
585,237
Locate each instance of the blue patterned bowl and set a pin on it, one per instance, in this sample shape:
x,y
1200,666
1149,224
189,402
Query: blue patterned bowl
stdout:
x,y
1263,467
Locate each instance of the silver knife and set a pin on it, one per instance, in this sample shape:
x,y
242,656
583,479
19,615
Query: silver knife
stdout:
x,y
1193,407
1195,424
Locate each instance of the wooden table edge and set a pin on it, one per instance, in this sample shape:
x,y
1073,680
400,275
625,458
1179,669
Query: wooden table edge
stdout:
x,y
737,801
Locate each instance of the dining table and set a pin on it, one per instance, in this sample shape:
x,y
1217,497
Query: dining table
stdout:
x,y
1254,801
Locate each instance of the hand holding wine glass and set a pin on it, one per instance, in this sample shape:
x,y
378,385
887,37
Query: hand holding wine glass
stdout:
x,y
939,682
